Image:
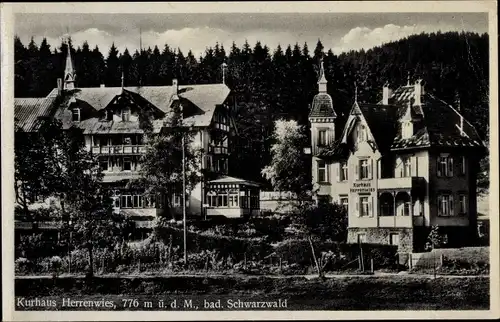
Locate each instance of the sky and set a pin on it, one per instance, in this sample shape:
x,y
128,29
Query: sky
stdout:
x,y
197,31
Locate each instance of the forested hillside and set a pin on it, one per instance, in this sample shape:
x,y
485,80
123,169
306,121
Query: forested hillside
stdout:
x,y
279,82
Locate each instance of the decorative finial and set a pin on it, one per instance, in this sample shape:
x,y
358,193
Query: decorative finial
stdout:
x,y
355,92
223,66
123,78
408,79
322,78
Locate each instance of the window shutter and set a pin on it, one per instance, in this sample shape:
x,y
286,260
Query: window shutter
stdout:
x,y
414,172
370,166
439,167
450,166
463,166
370,207
357,207
440,202
338,171
356,171
398,169
451,201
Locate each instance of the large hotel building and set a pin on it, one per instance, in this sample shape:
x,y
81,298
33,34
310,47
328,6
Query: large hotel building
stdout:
x,y
109,119
400,166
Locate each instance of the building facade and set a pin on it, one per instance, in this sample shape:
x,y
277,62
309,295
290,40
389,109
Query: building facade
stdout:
x,y
400,166
111,118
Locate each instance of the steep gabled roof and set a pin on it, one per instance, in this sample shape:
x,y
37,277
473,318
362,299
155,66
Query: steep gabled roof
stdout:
x,y
28,112
436,124
440,126
382,122
206,97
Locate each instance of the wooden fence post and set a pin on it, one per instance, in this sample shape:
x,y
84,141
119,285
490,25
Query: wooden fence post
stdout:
x,y
281,267
359,261
410,261
371,264
441,258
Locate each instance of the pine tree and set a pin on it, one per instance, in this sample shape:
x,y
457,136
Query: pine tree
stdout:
x,y
113,75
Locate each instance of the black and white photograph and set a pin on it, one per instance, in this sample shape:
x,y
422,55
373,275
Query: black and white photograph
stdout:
x,y
249,160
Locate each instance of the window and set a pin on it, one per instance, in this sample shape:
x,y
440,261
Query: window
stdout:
x,y
406,130
344,202
126,115
386,207
445,166
406,208
322,139
361,133
127,140
233,198
104,164
361,238
126,201
177,200
462,201
322,171
127,164
461,166
76,115
344,171
109,115
445,205
364,169
116,202
406,167
137,201
211,199
365,206
394,239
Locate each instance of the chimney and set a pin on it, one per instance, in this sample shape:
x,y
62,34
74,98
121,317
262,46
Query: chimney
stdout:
x,y
386,94
175,86
102,85
175,89
59,86
418,92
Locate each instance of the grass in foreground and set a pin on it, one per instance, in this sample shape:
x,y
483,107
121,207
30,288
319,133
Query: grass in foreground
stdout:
x,y
351,293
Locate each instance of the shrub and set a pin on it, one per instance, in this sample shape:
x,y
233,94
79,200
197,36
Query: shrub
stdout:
x,y
337,254
227,246
23,266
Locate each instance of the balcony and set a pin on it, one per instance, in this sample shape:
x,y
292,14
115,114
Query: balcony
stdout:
x,y
401,183
217,149
119,149
119,176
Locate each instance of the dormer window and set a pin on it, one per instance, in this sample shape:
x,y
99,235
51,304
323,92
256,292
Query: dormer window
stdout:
x,y
108,116
406,129
126,115
76,115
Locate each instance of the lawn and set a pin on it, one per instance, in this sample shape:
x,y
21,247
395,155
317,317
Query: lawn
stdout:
x,y
350,293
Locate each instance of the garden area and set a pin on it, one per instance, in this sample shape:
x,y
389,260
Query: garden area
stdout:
x,y
272,244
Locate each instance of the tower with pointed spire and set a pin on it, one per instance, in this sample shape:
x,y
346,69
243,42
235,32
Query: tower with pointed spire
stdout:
x,y
322,119
69,71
